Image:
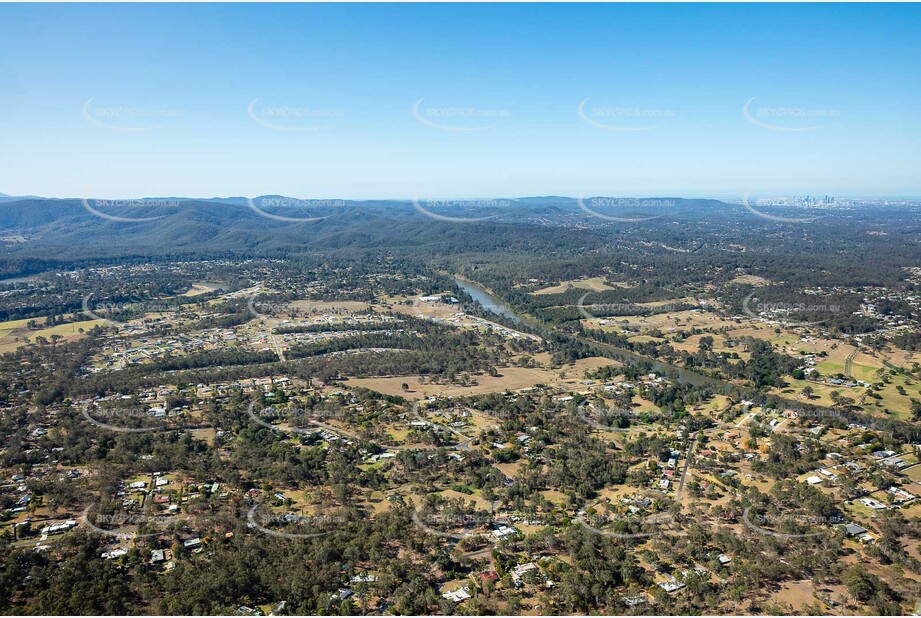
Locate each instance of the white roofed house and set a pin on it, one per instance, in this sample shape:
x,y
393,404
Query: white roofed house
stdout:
x,y
520,570
459,595
58,528
872,503
900,495
671,586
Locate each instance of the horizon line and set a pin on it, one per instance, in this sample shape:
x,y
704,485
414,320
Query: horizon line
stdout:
x,y
411,199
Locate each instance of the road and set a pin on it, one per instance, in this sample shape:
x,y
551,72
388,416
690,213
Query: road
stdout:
x,y
278,350
687,466
849,363
742,422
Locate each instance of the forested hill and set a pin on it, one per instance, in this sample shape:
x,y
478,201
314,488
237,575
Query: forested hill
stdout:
x,y
41,234
167,226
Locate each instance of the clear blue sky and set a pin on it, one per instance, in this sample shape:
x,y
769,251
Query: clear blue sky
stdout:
x,y
77,78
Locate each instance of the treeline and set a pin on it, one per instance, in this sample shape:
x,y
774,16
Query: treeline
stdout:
x,y
334,327
210,358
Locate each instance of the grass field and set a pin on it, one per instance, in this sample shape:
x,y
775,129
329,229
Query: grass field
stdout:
x,y
11,325
594,284
665,321
331,307
895,402
750,280
822,392
510,378
799,594
717,404
202,288
557,497
864,366
478,502
16,329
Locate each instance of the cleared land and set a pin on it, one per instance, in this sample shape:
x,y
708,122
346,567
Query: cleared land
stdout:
x,y
16,329
594,284
510,378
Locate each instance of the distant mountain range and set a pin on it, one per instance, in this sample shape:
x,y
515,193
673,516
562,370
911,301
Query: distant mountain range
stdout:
x,y
68,217
35,228
287,201
13,198
38,234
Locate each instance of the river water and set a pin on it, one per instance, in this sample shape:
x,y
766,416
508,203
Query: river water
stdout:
x,y
489,302
628,357
493,304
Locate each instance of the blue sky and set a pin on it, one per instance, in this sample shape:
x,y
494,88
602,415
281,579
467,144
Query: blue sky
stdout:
x,y
318,100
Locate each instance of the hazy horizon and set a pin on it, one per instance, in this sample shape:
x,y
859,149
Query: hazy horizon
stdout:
x,y
462,198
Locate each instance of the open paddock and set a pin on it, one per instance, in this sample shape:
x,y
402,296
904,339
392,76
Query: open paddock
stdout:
x,y
593,284
509,379
15,337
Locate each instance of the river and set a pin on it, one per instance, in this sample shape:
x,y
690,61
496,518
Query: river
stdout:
x,y
495,305
489,302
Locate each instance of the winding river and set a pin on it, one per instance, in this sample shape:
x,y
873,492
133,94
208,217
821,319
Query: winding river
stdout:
x,y
487,300
495,305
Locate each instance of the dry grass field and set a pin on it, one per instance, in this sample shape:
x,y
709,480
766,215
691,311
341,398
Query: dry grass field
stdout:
x,y
593,284
833,357
330,307
510,379
16,329
665,321
198,289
